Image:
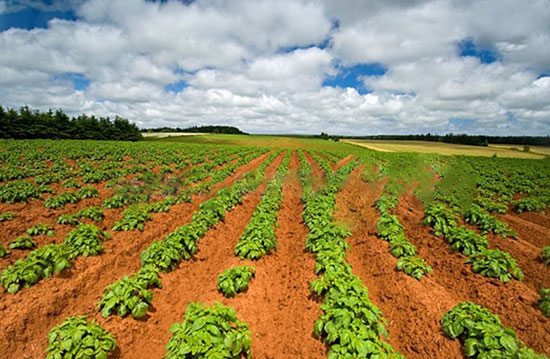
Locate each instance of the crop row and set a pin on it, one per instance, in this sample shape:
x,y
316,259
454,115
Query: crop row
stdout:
x,y
45,261
351,325
390,229
259,237
131,295
483,335
485,261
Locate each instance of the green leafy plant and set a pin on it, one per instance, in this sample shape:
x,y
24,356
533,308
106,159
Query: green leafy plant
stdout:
x,y
483,334
386,203
22,242
68,218
235,280
401,247
259,236
70,183
545,255
19,191
389,227
440,218
40,263
125,296
61,200
497,264
93,213
39,229
164,255
85,240
78,338
466,241
134,217
116,201
486,222
545,301
209,332
415,266
87,192
7,216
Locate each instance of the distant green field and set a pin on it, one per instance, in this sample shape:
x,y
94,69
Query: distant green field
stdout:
x,y
511,151
260,140
444,148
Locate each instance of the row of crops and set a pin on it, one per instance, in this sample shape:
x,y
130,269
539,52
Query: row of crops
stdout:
x,y
138,181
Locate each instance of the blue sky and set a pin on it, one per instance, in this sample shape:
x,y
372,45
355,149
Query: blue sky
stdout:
x,y
284,66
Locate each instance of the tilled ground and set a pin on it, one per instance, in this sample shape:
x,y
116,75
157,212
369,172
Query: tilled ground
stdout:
x,y
278,306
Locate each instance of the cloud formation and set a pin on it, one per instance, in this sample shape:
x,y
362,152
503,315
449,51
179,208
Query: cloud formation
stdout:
x,y
262,65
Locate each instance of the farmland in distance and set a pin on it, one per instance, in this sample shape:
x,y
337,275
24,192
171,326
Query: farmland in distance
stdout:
x,y
312,249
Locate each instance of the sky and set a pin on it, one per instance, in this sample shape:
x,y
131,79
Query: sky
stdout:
x,y
348,67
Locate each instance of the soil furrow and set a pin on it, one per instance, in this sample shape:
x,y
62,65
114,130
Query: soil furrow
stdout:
x,y
29,314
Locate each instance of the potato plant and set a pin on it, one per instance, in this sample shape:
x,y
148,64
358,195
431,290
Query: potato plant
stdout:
x,y
351,325
20,191
85,240
54,202
483,335
414,266
182,243
7,216
209,332
78,338
235,280
487,223
39,229
22,242
124,297
133,218
40,263
497,264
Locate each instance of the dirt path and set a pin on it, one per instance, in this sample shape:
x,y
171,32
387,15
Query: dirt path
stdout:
x,y
28,315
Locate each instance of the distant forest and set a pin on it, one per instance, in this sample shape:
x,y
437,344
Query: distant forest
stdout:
x,y
201,129
29,124
464,139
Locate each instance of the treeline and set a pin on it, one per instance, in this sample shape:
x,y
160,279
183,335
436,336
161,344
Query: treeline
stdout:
x,y
29,124
201,129
464,139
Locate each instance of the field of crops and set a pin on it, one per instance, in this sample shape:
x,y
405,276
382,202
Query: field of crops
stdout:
x,y
193,250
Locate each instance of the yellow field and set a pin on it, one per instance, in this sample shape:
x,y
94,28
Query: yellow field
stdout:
x,y
534,149
447,148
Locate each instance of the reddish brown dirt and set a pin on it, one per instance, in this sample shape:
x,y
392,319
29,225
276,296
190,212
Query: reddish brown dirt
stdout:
x,y
529,226
412,308
541,219
514,302
526,256
28,315
276,305
343,161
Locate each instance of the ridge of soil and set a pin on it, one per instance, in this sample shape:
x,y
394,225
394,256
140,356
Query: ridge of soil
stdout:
x,y
516,303
29,314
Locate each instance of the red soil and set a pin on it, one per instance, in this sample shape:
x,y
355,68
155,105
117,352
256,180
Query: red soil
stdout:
x,y
28,315
414,308
514,302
